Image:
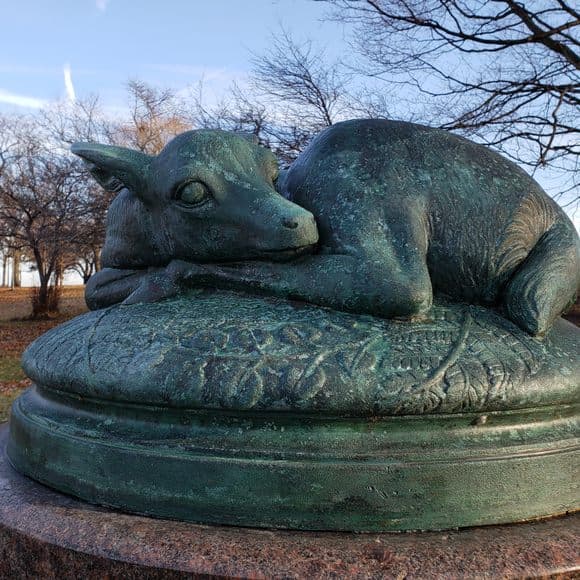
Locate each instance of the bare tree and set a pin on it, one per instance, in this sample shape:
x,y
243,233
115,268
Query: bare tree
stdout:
x,y
64,124
293,93
302,79
156,116
10,251
42,204
502,71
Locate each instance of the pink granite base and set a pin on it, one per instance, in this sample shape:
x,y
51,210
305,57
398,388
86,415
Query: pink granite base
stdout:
x,y
44,534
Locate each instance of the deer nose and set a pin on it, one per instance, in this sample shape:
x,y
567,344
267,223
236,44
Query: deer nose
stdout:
x,y
290,223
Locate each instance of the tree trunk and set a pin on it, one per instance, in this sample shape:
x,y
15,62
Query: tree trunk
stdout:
x,y
16,279
40,300
4,269
58,275
97,264
45,299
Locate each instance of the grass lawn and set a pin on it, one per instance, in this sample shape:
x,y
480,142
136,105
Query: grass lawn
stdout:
x,y
5,402
10,369
12,381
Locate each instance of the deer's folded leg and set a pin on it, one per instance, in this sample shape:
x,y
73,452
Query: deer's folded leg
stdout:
x,y
113,286
546,283
343,282
154,286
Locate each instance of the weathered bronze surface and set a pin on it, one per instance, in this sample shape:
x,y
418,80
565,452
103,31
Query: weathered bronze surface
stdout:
x,y
220,350
402,211
234,409
314,384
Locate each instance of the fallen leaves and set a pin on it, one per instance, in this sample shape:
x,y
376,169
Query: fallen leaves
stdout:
x,y
8,388
16,335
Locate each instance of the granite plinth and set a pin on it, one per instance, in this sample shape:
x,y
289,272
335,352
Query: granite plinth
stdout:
x,y
46,534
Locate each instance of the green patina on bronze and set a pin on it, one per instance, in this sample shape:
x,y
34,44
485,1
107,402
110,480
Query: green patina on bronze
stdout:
x,y
298,373
302,472
402,212
225,408
219,350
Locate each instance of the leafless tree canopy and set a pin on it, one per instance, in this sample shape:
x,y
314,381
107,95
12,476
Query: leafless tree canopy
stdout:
x,y
42,204
293,93
52,214
156,115
502,71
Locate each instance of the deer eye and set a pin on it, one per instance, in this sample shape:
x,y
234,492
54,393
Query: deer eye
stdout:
x,y
192,193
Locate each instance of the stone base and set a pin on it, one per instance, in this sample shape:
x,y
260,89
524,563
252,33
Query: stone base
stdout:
x,y
46,534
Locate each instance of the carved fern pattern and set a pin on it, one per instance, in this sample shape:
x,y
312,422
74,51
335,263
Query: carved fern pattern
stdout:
x,y
252,353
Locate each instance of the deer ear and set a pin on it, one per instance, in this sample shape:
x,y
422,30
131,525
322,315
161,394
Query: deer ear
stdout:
x,y
116,167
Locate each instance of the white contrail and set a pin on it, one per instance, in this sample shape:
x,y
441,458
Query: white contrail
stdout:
x,y
102,5
68,84
21,100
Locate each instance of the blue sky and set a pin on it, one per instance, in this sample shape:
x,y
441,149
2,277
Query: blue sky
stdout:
x,y
96,46
173,43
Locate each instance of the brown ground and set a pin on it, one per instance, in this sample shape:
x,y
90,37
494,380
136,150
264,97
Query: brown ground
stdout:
x,y
16,333
15,303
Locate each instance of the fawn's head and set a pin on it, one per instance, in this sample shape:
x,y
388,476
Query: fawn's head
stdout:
x,y
208,196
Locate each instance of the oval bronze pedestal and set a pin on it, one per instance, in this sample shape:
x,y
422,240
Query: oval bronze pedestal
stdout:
x,y
301,472
271,414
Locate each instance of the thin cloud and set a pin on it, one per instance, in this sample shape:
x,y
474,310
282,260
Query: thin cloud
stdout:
x,y
68,84
21,100
208,73
26,70
101,5
44,70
